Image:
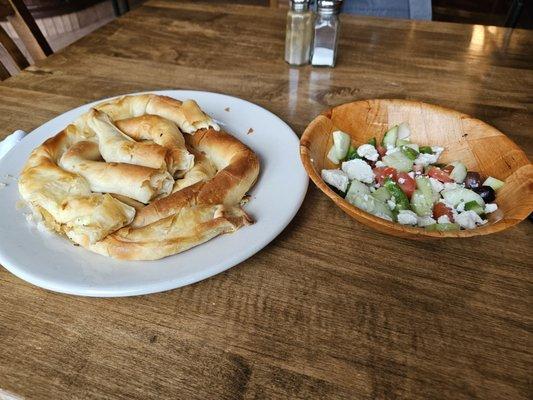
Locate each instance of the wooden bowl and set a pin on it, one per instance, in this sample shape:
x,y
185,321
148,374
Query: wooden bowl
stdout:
x,y
479,146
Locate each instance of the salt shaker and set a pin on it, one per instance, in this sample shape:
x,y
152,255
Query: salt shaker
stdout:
x,y
299,33
326,35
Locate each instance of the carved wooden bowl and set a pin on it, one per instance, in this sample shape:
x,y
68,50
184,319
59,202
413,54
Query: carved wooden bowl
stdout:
x,y
478,145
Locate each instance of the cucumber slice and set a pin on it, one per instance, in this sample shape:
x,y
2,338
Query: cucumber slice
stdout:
x,y
444,227
414,146
409,152
455,196
371,205
390,137
332,155
474,206
402,202
402,142
399,161
425,150
373,142
403,131
458,173
357,187
424,185
421,203
341,142
493,183
382,194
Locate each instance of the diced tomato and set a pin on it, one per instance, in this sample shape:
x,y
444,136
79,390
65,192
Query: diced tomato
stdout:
x,y
383,173
440,209
448,169
406,183
439,174
381,150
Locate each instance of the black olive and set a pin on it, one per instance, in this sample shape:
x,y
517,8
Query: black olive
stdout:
x,y
472,180
487,193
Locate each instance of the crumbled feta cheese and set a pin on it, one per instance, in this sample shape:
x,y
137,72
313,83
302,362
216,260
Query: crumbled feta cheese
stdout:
x,y
436,185
461,206
411,174
426,221
391,149
401,181
380,163
491,207
368,151
407,217
372,189
437,150
469,219
391,203
358,169
449,205
336,178
443,219
426,159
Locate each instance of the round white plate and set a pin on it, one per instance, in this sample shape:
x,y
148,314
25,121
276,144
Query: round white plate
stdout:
x,y
54,263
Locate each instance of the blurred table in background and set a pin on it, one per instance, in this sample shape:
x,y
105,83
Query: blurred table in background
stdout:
x,y
331,309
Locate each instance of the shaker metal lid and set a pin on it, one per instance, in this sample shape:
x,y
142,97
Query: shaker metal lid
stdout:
x,y
329,4
300,4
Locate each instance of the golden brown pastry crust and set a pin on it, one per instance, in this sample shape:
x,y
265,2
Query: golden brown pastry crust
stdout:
x,y
90,181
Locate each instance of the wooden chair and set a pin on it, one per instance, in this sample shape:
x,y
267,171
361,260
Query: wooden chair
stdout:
x,y
31,36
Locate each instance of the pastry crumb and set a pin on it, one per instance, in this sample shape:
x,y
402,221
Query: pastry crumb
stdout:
x,y
250,131
226,109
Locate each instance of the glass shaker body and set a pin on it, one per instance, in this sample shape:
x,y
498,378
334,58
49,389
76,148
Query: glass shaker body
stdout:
x,y
299,36
326,39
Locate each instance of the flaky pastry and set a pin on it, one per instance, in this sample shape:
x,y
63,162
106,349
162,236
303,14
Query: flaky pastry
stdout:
x,y
124,182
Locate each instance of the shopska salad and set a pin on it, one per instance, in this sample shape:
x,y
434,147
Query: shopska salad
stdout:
x,y
401,181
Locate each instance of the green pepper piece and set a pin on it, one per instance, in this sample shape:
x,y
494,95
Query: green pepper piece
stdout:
x,y
425,149
402,202
372,141
352,154
409,152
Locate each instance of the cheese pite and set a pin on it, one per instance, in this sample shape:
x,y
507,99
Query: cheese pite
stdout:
x,y
124,182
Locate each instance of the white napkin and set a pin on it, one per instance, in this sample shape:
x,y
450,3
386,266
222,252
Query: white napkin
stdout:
x,y
11,141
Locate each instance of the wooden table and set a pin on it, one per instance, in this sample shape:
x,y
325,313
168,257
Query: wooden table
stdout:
x,y
330,309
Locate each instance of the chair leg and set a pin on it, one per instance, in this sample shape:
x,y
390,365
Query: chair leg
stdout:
x,y
12,49
514,13
4,73
28,31
116,8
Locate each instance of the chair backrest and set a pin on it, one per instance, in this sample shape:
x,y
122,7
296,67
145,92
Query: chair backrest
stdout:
x,y
29,33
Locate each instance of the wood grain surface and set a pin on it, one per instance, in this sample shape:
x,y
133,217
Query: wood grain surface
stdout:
x,y
331,309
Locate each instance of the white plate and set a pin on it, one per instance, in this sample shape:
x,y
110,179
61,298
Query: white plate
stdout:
x,y
52,262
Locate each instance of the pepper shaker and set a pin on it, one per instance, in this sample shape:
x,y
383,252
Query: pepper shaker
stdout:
x,y
299,33
326,33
